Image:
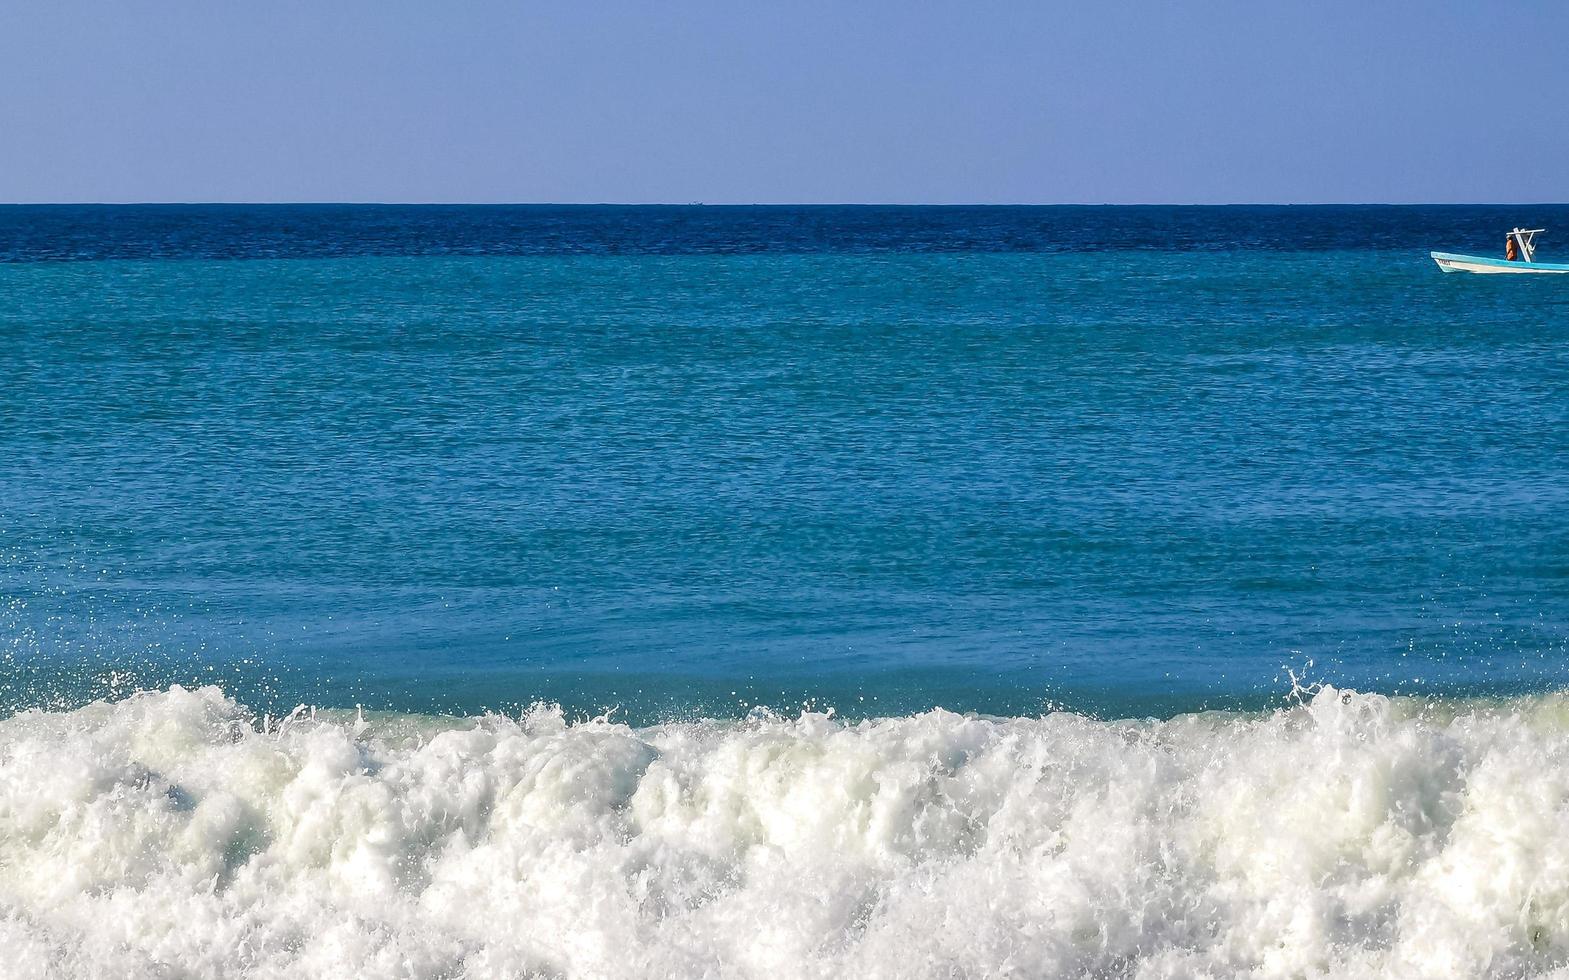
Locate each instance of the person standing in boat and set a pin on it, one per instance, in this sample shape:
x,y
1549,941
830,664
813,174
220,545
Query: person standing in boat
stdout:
x,y
1511,253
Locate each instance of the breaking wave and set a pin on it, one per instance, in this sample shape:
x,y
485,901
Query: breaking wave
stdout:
x,y
174,834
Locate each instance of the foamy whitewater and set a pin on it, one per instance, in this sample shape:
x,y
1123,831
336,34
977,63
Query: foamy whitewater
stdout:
x,y
174,834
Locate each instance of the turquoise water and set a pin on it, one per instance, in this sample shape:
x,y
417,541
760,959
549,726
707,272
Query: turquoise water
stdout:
x,y
1137,481
780,593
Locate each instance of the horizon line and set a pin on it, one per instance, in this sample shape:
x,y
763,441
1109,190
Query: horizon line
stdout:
x,y
795,204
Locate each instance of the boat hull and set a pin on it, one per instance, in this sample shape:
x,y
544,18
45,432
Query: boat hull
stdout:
x,y
1450,262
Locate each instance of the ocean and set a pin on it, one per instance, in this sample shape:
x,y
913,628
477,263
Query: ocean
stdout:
x,y
416,591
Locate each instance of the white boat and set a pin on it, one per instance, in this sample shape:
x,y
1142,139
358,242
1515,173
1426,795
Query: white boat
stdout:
x,y
1524,240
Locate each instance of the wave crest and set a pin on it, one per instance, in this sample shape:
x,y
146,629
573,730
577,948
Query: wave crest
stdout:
x,y
1350,835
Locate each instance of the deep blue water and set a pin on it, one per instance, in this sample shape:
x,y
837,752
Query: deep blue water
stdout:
x,y
685,460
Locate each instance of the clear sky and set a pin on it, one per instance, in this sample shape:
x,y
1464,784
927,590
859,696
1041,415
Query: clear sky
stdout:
x,y
789,101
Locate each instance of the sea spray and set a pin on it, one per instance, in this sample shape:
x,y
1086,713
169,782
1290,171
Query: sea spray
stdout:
x,y
172,833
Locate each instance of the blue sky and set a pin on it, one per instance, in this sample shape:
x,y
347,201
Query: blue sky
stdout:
x,y
807,101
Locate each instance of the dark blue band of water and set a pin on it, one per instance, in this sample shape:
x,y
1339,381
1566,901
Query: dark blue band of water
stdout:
x,y
30,233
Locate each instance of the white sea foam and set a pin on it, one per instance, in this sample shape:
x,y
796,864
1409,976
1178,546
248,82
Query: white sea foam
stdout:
x,y
170,835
